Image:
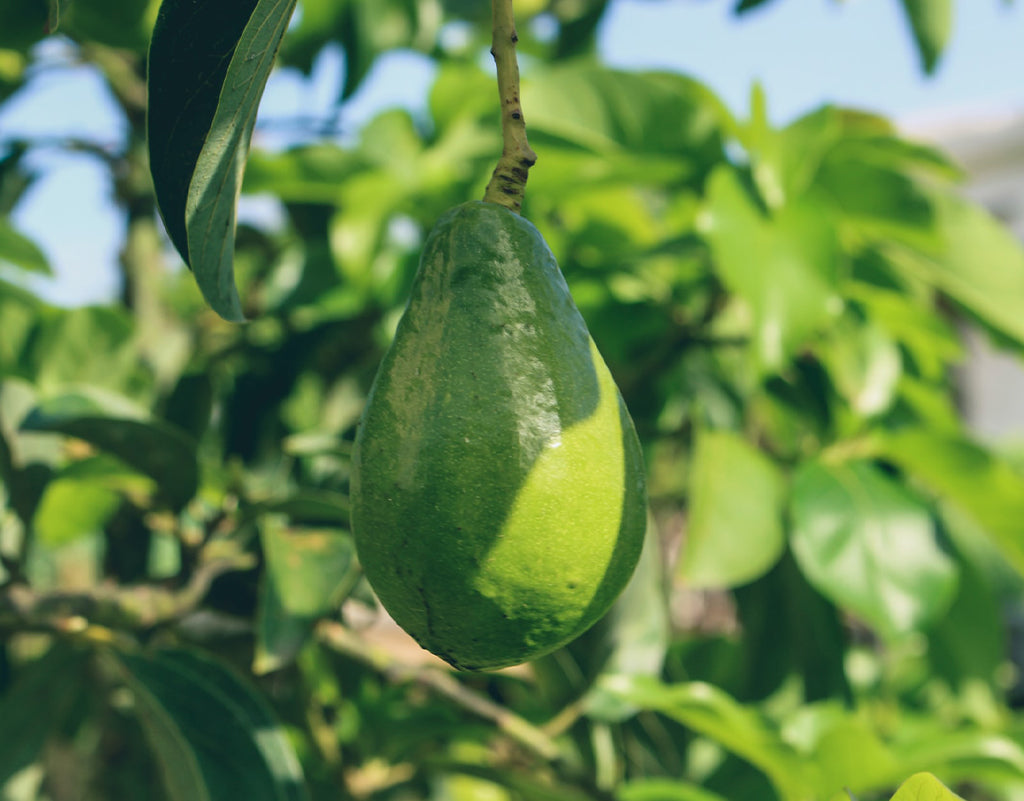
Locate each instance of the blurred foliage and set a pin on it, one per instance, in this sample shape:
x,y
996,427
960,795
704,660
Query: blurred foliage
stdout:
x,y
831,596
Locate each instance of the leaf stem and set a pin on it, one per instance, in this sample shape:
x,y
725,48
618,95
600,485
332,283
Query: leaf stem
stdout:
x,y
508,183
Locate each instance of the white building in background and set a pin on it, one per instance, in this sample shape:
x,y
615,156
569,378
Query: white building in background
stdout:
x,y
990,148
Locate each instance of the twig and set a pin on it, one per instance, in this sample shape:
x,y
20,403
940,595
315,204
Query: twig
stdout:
x,y
508,182
115,607
345,641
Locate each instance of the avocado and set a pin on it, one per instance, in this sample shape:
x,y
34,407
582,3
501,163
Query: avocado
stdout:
x,y
498,491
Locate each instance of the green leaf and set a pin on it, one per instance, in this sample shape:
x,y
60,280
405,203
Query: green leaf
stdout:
x,y
212,734
36,704
980,264
208,65
968,477
308,573
72,508
931,23
663,790
735,529
864,364
711,712
783,266
868,544
924,787
19,250
115,425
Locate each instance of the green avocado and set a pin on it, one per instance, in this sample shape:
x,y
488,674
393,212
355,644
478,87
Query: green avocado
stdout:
x,y
498,493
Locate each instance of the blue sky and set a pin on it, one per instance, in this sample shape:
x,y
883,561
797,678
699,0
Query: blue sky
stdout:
x,y
804,53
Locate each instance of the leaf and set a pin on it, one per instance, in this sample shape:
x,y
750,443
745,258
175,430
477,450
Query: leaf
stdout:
x,y
865,365
213,735
743,6
971,479
308,573
980,264
71,508
931,23
208,65
868,544
924,787
113,424
735,529
663,790
783,266
19,250
36,704
712,713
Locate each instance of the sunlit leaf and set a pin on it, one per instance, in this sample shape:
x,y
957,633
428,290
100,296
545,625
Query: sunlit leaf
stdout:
x,y
19,250
868,544
208,65
734,531
981,485
784,266
931,22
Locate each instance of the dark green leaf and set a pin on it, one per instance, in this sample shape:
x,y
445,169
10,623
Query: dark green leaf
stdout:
x,y
868,544
19,250
35,705
931,22
213,735
747,5
208,64
113,424
734,532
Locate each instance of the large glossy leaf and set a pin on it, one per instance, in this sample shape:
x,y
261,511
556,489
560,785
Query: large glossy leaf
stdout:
x,y
868,544
308,573
208,65
736,497
931,22
212,734
784,266
36,704
111,423
970,478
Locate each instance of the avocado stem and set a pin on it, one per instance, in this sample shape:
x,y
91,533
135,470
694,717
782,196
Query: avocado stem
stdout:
x,y
508,183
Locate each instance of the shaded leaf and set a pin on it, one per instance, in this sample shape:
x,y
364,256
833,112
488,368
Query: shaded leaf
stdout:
x,y
308,573
931,23
868,544
663,790
735,529
19,250
35,705
212,734
208,64
113,424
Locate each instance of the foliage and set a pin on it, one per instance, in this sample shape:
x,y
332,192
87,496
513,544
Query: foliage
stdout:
x,y
828,595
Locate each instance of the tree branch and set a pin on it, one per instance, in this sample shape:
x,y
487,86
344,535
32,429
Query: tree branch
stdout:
x,y
508,183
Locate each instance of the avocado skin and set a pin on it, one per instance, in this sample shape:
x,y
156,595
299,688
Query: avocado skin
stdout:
x,y
498,492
